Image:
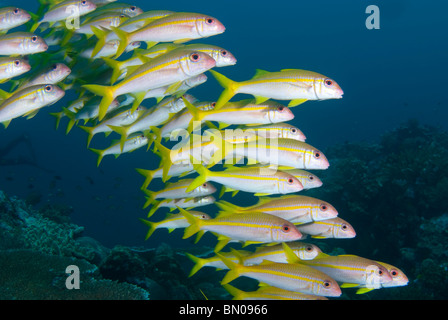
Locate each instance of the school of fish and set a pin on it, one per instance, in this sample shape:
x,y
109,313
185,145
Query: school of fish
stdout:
x,y
129,71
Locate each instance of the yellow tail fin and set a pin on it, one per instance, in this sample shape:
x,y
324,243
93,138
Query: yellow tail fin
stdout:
x,y
230,89
108,94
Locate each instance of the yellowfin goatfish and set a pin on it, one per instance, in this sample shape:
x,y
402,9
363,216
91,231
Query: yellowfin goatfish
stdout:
x,y
65,10
289,84
254,227
274,253
140,21
170,68
350,270
11,67
178,189
11,17
277,130
294,208
172,222
269,293
29,101
51,75
154,116
292,277
127,9
121,118
176,27
242,112
21,43
280,152
186,203
134,142
105,20
255,180
175,171
308,179
330,228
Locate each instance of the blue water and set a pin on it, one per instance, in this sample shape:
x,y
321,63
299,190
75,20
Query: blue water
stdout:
x,y
388,75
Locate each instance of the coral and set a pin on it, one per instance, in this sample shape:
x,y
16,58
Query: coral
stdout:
x,y
29,275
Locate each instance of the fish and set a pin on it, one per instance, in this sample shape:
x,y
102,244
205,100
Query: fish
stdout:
x,y
65,10
154,116
179,122
53,74
88,112
29,101
254,180
176,27
175,171
297,209
106,20
349,270
242,112
170,68
143,19
273,152
21,43
273,253
177,190
172,222
11,67
292,277
330,228
12,17
108,50
187,203
253,227
295,85
277,130
122,117
191,147
269,293
134,142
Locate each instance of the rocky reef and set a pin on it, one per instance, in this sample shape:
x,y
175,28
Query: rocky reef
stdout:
x,y
394,192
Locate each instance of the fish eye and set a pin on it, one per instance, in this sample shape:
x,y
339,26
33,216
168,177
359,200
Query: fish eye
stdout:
x,y
16,11
317,155
209,20
293,130
328,82
84,2
344,227
205,185
280,108
223,53
213,104
309,248
194,57
34,38
122,15
48,88
394,273
55,67
17,63
311,177
290,180
323,207
133,8
380,272
285,228
327,284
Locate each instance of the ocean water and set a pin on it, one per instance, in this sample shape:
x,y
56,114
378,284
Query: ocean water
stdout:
x,y
388,75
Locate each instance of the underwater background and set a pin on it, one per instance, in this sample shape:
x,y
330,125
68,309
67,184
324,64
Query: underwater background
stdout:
x,y
386,140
